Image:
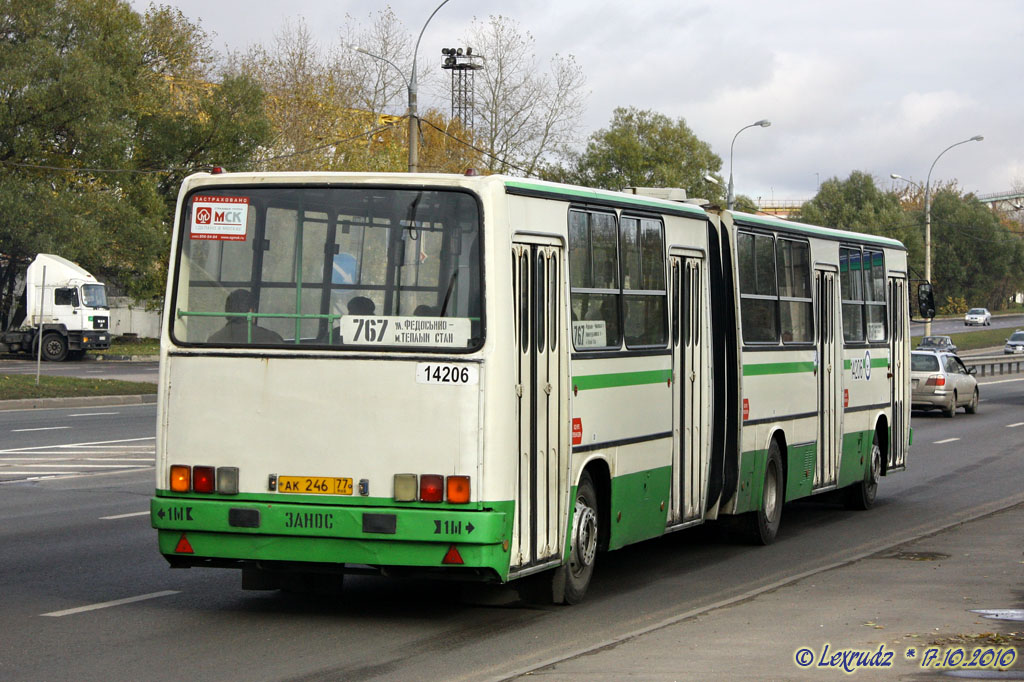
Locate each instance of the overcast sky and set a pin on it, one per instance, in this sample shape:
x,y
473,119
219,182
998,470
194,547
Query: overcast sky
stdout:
x,y
878,86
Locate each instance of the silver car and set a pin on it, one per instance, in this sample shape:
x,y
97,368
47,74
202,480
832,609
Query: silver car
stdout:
x,y
940,381
1014,344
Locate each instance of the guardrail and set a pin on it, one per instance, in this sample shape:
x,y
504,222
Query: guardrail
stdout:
x,y
994,365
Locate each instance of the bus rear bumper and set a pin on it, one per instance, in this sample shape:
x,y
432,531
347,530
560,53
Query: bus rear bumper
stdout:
x,y
195,532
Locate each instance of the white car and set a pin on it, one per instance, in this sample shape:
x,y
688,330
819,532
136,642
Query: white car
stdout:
x,y
978,316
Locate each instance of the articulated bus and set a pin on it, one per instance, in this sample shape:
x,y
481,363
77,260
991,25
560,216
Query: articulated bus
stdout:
x,y
491,378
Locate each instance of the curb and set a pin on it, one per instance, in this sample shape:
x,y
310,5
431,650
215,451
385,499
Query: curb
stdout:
x,y
84,401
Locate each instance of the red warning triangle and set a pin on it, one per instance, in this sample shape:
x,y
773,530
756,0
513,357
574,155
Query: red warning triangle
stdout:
x,y
184,547
452,557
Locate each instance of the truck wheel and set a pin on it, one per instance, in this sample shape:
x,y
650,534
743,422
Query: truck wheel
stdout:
x,y
55,347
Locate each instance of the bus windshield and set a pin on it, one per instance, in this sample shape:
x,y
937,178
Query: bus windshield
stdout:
x,y
357,267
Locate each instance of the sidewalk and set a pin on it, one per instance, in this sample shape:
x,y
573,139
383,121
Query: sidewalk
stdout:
x,y
903,607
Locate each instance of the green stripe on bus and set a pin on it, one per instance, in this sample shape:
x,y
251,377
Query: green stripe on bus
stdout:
x,y
605,195
765,368
590,381
827,232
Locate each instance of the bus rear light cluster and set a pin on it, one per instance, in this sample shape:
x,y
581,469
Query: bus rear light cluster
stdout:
x,y
432,488
204,479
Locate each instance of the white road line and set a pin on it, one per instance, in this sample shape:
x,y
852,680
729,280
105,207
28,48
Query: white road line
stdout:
x,y
999,381
123,516
1013,426
82,466
93,414
110,443
54,460
43,428
948,440
108,604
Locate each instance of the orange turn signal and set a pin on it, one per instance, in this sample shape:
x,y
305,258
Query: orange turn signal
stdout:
x,y
458,489
180,478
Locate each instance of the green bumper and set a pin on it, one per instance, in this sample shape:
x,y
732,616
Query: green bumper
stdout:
x,y
323,533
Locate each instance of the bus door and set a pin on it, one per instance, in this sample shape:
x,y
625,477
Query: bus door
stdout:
x,y
690,394
830,373
900,427
541,490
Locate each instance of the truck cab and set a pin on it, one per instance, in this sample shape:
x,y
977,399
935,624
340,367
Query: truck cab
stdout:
x,y
66,307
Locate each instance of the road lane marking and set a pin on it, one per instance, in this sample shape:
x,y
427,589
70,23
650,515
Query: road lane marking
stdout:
x,y
1013,426
108,604
110,443
123,516
42,428
83,466
93,414
948,440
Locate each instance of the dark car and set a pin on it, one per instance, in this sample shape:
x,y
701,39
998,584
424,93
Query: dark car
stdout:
x,y
937,343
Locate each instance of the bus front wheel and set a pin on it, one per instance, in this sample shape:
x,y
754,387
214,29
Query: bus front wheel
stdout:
x,y
572,578
764,523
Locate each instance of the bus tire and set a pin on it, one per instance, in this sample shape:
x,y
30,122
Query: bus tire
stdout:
x,y
764,523
55,347
861,495
571,579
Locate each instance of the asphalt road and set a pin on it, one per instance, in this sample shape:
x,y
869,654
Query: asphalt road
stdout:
x,y
956,326
87,596
146,370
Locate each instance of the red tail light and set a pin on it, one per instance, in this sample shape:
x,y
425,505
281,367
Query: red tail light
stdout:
x,y
203,479
431,488
936,380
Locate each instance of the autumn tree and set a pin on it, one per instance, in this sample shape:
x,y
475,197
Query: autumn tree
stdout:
x,y
523,113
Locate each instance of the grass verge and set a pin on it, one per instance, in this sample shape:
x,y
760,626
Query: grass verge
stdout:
x,y
20,386
985,338
127,345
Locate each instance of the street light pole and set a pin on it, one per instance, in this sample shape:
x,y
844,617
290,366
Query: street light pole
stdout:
x,y
410,84
928,219
730,199
414,123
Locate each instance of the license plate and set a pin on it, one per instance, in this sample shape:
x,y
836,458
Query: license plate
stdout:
x,y
314,485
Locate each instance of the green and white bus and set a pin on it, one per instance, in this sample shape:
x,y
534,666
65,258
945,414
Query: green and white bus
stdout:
x,y
489,378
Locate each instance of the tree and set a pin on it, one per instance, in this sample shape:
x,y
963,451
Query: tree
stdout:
x,y
102,111
974,256
644,149
522,115
856,204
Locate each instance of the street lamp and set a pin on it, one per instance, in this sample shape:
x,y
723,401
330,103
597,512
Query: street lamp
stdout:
x,y
928,216
730,200
410,83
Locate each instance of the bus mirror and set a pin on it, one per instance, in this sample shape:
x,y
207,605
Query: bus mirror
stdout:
x,y
925,301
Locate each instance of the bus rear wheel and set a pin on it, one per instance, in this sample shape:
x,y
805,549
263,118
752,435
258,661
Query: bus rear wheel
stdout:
x,y
764,523
571,579
862,495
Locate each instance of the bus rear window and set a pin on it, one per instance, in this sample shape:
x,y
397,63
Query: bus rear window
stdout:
x,y
360,268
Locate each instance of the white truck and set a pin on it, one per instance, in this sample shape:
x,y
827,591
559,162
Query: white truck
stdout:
x,y
68,312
